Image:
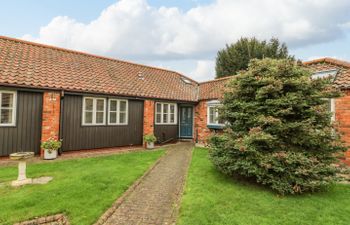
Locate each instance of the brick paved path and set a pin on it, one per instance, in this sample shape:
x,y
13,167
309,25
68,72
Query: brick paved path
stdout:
x,y
154,201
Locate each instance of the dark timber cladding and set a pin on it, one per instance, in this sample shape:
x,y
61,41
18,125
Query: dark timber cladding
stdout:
x,y
77,137
25,136
166,132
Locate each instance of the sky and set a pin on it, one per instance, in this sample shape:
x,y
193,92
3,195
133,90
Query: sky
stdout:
x,y
180,35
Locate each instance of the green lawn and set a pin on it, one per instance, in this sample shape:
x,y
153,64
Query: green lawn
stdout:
x,y
82,188
212,198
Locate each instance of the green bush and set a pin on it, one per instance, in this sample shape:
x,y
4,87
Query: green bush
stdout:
x,y
150,138
279,128
51,145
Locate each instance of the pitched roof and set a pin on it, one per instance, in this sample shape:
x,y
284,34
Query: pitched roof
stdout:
x,y
213,89
342,79
28,64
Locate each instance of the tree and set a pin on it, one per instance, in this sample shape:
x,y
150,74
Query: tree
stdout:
x,y
279,129
235,57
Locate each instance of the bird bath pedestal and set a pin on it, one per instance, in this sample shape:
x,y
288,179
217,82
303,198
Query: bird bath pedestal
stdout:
x,y
21,157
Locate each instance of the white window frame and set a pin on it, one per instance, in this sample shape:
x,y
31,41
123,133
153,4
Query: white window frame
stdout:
x,y
332,109
94,111
14,108
118,111
213,104
168,113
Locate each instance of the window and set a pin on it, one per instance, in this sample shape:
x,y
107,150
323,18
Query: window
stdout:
x,y
331,108
118,112
325,74
7,108
213,115
94,111
166,113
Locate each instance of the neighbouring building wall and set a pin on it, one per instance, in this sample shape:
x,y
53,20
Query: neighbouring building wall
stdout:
x,y
25,134
208,91
50,116
166,132
78,137
202,132
342,116
200,123
148,117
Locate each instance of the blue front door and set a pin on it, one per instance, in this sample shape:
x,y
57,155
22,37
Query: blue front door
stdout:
x,y
186,122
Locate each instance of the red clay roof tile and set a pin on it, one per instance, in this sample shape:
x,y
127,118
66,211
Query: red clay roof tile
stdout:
x,y
213,89
28,64
342,79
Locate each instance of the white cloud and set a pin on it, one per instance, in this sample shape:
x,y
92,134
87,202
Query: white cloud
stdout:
x,y
205,70
133,29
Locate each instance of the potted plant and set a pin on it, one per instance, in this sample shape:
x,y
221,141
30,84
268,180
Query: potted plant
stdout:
x,y
51,147
150,139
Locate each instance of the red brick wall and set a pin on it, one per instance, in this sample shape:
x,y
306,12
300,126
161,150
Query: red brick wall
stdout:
x,y
202,132
51,116
342,116
148,117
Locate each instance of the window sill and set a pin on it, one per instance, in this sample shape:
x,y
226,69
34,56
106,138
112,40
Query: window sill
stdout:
x,y
94,125
7,125
117,125
216,126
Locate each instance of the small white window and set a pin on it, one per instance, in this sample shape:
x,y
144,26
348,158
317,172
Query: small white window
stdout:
x,y
325,74
213,115
118,112
94,111
331,108
166,113
8,108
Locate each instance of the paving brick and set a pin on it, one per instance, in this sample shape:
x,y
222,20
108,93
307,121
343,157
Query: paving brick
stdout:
x,y
153,200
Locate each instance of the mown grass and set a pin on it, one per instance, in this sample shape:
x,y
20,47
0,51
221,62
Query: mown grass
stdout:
x,y
82,188
213,198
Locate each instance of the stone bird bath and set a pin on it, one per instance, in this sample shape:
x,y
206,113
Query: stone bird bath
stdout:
x,y
21,157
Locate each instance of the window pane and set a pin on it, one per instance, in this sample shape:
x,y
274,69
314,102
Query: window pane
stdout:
x,y
165,118
100,105
211,119
172,108
211,115
7,100
113,105
99,117
123,106
159,108
88,117
220,120
6,116
172,118
122,118
113,117
158,118
165,108
88,104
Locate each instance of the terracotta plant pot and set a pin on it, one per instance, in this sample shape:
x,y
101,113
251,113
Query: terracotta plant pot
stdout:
x,y
50,154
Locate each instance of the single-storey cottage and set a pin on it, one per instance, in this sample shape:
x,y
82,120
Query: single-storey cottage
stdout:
x,y
93,102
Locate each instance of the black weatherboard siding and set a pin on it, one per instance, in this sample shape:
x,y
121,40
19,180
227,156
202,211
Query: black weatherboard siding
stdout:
x,y
77,137
166,132
25,136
